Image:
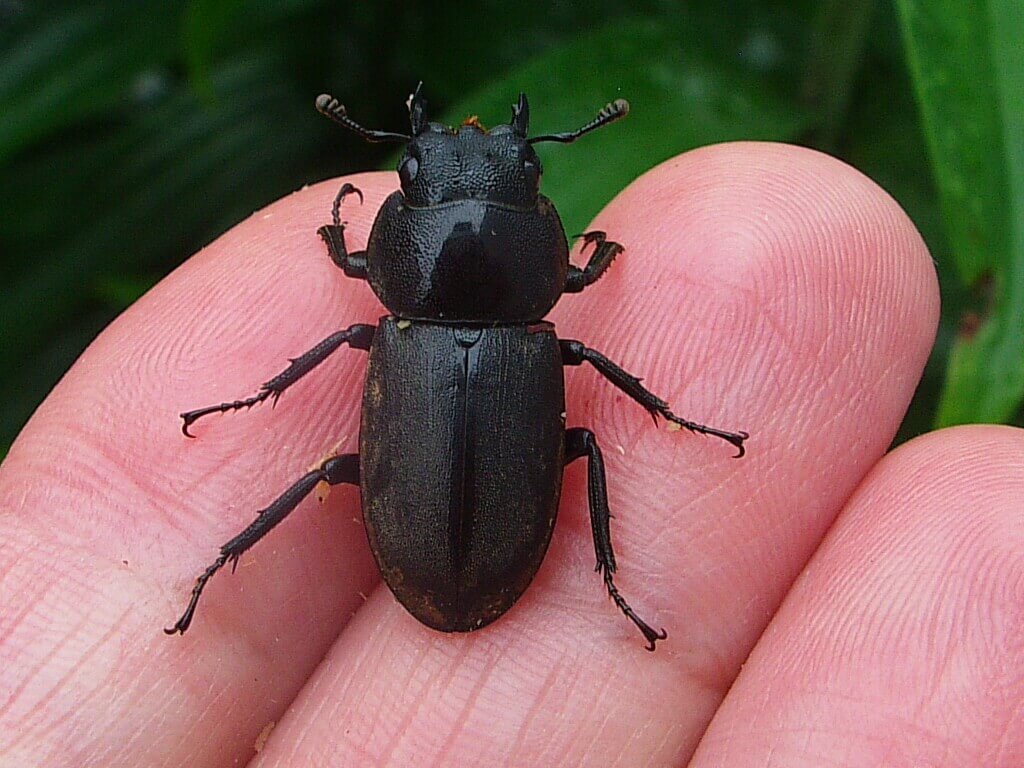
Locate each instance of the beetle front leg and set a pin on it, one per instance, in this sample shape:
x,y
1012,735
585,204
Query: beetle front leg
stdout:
x,y
576,353
333,235
358,337
582,442
340,469
602,257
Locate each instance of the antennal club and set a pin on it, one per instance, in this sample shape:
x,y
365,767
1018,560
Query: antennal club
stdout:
x,y
608,114
330,107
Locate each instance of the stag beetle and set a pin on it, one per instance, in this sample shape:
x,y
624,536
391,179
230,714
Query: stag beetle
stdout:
x,y
462,441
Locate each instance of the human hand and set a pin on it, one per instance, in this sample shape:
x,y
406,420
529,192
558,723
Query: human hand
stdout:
x,y
763,287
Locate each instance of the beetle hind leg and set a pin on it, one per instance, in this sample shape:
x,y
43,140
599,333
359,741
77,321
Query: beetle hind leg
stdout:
x,y
334,471
581,442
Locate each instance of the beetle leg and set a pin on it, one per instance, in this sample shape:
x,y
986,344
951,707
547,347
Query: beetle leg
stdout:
x,y
333,235
358,337
602,257
340,469
582,442
576,353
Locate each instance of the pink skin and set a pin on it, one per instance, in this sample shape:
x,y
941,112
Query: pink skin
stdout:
x,y
763,287
902,642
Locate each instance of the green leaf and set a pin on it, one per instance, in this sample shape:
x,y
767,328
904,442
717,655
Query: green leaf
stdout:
x,y
950,56
681,97
82,62
164,173
968,68
205,24
986,373
121,291
838,42
480,39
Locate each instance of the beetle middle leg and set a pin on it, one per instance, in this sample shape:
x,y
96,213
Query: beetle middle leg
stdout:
x,y
358,337
333,235
334,471
582,442
577,353
602,257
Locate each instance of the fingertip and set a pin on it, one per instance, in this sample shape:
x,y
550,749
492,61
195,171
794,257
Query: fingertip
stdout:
x,y
775,214
759,277
909,613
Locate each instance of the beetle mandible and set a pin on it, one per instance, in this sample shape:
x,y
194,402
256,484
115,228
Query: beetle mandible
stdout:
x,y
459,502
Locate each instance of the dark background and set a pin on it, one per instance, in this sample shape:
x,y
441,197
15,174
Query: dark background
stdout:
x,y
131,134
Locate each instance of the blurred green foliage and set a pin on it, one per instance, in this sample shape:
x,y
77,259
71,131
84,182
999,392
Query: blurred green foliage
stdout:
x,y
133,133
968,67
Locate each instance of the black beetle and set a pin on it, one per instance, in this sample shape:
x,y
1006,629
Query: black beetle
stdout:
x,y
462,440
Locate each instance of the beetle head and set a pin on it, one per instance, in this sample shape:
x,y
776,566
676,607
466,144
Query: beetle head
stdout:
x,y
442,165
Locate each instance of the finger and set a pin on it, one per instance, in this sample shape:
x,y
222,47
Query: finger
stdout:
x,y
901,642
110,513
763,287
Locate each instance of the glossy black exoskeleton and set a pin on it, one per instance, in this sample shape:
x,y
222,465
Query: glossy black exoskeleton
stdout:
x,y
462,440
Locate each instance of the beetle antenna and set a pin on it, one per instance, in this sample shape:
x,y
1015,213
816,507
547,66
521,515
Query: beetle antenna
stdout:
x,y
608,114
329,106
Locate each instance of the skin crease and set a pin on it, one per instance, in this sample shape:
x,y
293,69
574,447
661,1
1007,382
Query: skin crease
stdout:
x,y
763,287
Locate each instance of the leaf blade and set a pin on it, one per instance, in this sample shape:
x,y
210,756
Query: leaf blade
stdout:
x,y
949,54
969,75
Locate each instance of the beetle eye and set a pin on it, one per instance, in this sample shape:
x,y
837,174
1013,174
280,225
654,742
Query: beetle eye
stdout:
x,y
531,169
407,171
